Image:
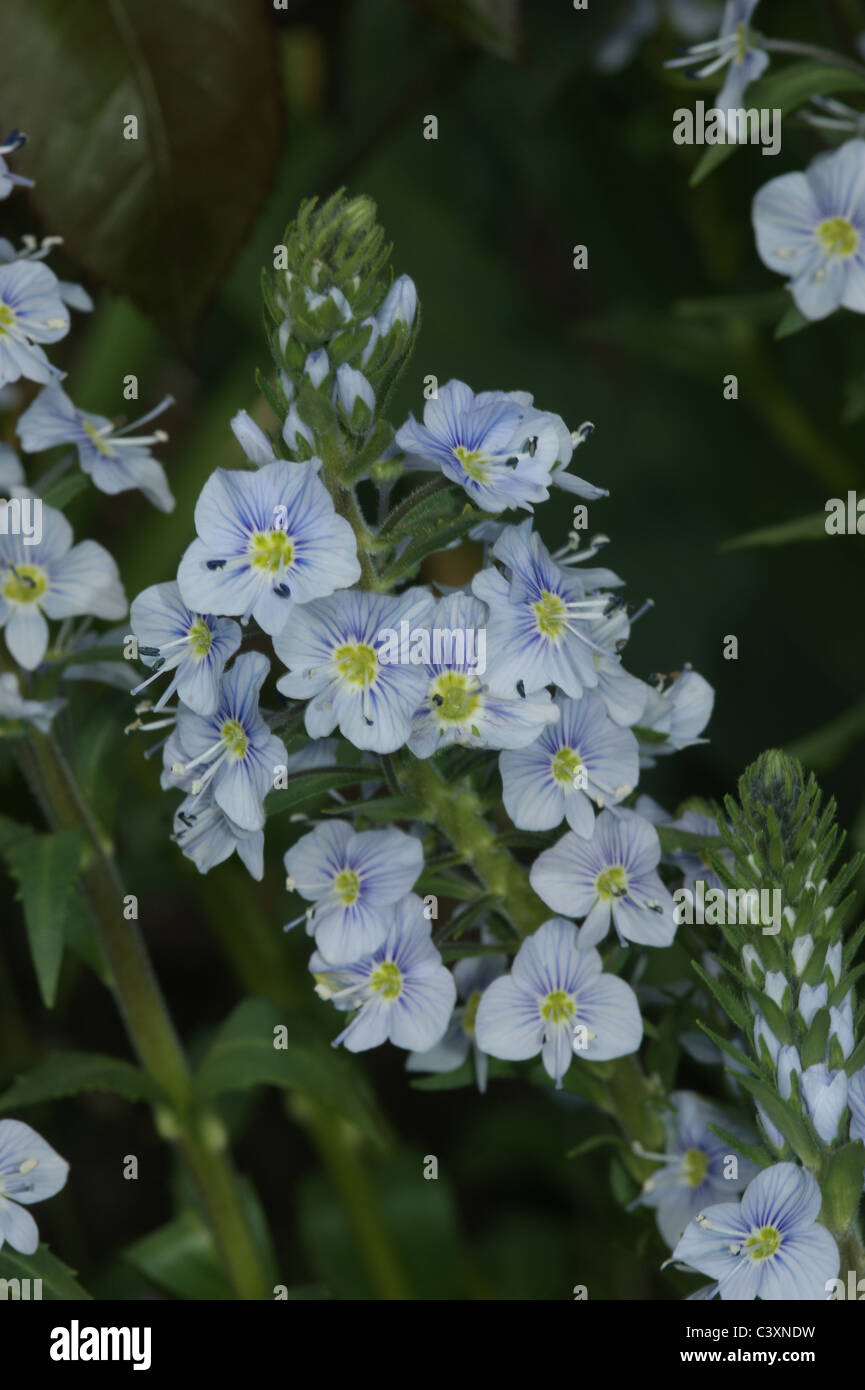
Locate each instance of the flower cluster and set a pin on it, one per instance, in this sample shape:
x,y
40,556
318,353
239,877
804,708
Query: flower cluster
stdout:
x,y
522,666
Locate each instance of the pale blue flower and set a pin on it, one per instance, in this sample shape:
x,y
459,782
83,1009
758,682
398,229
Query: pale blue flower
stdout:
x,y
770,1245
350,387
232,750
11,471
584,757
680,711
540,618
30,1171
208,837
353,877
31,312
13,141
691,862
73,296
624,695
483,443
194,646
458,705
736,48
811,227
16,709
252,439
332,647
53,579
695,1165
823,1092
472,975
266,541
402,992
557,1001
613,875
114,459
317,367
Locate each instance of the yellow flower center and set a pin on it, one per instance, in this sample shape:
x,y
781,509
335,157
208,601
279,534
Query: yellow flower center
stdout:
x,y
551,614
695,1166
271,550
233,733
612,883
98,441
474,463
558,1007
386,979
471,1012
453,698
25,584
838,237
347,885
6,317
762,1244
358,663
565,764
200,637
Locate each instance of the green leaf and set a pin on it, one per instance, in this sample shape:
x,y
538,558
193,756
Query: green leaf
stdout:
x,y
243,1055
45,868
597,1141
804,528
159,217
69,1073
306,786
792,322
66,487
755,1152
650,736
181,1259
423,510
784,1118
824,748
732,1007
730,1049
438,539
786,88
59,1283
385,809
447,886
673,839
842,1186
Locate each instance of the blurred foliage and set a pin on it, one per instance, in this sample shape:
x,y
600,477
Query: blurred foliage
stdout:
x,y
537,151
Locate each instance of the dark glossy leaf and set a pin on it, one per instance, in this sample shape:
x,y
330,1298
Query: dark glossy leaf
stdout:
x,y
159,217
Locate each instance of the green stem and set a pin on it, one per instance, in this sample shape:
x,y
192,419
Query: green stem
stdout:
x,y
629,1095
145,1013
358,1197
852,1253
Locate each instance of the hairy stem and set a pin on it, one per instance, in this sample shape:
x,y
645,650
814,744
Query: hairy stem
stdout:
x,y
144,1010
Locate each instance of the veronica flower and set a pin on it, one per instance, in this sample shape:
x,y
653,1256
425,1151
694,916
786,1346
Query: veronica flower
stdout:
x,y
232,749
14,140
74,296
472,977
770,1245
680,712
13,706
353,878
207,836
398,306
736,49
114,459
811,228
11,472
480,442
538,631
31,312
624,695
332,649
458,706
692,863
824,1092
30,1171
192,645
52,579
695,1166
266,541
614,875
252,439
557,1001
402,992
584,757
